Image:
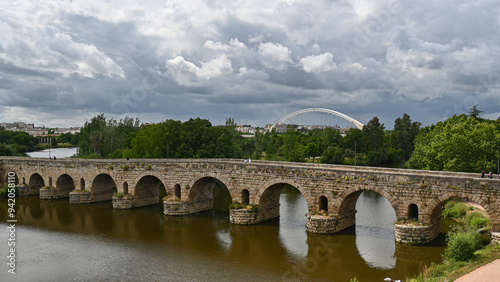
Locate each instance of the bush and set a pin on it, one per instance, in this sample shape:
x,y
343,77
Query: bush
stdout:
x,y
236,205
455,209
461,245
477,220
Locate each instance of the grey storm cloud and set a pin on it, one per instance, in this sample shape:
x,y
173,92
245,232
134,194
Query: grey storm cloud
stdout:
x,y
61,62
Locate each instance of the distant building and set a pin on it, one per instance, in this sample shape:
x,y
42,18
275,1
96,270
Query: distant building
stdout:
x,y
36,131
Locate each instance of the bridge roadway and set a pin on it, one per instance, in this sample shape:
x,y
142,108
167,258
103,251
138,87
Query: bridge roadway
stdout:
x,y
331,191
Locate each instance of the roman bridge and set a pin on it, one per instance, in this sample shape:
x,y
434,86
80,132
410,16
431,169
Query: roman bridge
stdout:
x,y
331,191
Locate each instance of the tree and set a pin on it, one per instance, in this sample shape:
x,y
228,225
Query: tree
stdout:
x,y
404,133
333,155
474,111
373,133
461,143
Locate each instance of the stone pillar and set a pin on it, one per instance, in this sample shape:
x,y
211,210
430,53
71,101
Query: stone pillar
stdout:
x,y
244,216
177,208
329,224
123,203
80,197
417,234
51,193
495,237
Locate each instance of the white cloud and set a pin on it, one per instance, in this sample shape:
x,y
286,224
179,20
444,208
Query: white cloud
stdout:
x,y
320,63
188,74
274,56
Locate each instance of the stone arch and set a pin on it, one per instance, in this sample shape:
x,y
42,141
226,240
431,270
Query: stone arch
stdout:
x,y
65,184
35,183
280,180
268,197
103,187
432,213
217,176
350,196
147,190
204,189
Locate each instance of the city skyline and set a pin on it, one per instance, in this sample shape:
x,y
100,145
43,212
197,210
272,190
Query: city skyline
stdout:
x,y
63,62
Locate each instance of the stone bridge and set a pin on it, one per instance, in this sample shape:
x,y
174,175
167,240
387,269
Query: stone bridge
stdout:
x,y
331,191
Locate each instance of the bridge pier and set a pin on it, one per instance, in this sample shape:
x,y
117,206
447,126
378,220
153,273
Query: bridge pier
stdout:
x,y
329,224
417,234
178,208
49,193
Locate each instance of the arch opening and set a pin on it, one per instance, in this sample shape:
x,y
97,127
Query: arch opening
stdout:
x,y
373,217
35,183
177,191
82,184
103,188
245,197
210,193
323,204
65,184
413,211
149,190
125,187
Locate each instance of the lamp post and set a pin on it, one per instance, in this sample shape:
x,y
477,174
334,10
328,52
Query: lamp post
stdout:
x,y
355,154
498,163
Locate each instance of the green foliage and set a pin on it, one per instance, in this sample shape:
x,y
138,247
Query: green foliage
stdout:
x,y
333,155
455,208
13,143
461,245
404,134
477,220
4,191
461,143
236,205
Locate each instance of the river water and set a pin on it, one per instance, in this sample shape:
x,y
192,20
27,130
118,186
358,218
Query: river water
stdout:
x,y
57,241
50,153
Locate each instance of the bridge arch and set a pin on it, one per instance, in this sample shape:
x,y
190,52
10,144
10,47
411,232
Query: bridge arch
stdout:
x,y
65,184
433,212
147,190
35,183
268,197
358,124
210,191
346,203
103,187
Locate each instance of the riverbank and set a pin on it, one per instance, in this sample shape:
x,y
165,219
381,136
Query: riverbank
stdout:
x,y
450,270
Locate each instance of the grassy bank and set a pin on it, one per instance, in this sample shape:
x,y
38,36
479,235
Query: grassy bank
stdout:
x,y
466,250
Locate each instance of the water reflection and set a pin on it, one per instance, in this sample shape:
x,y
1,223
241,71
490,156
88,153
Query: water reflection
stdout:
x,y
375,234
62,241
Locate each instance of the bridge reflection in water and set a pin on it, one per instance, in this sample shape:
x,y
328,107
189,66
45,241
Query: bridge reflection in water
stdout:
x,y
62,241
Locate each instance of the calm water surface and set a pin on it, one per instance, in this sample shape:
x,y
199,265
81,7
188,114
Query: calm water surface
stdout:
x,y
62,242
57,152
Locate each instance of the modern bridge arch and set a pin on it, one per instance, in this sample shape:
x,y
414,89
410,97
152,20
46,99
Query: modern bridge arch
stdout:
x,y
358,124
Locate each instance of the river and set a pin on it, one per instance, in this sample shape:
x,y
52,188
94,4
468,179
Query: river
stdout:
x,y
57,241
57,152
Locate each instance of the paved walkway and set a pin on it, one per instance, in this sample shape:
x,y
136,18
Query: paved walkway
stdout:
x,y
489,273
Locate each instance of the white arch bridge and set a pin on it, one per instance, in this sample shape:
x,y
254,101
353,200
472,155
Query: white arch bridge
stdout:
x,y
319,116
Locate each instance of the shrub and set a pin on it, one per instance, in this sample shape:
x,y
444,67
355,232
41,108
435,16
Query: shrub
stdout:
x,y
118,195
461,245
477,220
236,205
455,209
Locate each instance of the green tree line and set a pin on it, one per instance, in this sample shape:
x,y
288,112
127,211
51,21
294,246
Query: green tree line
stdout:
x,y
461,143
15,143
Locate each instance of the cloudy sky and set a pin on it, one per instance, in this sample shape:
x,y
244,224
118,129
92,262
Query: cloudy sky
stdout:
x,y
62,62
